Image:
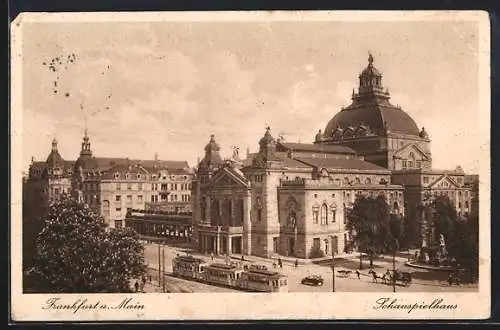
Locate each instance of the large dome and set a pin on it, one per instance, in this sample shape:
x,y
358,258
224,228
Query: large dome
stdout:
x,y
377,117
371,109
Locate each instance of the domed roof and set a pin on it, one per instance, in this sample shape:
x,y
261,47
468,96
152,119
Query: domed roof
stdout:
x,y
372,109
54,156
377,117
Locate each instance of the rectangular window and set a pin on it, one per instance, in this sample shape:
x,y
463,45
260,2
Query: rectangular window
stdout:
x,y
129,186
426,179
315,217
419,164
139,186
118,198
152,198
118,186
334,214
139,198
118,209
129,199
404,163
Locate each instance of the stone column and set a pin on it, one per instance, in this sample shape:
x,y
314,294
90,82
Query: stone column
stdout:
x,y
208,210
229,244
247,226
217,243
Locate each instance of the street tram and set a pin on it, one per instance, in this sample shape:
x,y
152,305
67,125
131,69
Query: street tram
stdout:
x,y
259,278
188,267
223,274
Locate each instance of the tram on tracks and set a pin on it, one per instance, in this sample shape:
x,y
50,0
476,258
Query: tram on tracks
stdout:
x,y
256,278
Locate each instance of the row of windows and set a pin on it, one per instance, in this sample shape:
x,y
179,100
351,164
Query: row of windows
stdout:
x,y
129,198
140,176
347,195
324,214
129,186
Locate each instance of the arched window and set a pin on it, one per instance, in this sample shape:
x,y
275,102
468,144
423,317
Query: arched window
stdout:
x,y
258,206
324,214
315,213
396,207
292,212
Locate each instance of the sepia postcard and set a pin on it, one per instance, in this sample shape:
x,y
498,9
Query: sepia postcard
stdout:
x,y
277,165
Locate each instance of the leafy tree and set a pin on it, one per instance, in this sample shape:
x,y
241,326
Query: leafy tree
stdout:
x,y
412,232
444,219
76,254
369,225
35,205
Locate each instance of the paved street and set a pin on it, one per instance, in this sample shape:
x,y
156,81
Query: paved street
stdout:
x,y
423,280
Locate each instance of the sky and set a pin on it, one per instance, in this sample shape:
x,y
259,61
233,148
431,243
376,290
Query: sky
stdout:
x,y
164,87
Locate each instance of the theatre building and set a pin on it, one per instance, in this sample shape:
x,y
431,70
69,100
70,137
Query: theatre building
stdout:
x,y
285,202
291,199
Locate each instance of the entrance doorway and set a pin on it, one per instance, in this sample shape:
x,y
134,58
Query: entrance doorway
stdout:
x,y
291,246
236,245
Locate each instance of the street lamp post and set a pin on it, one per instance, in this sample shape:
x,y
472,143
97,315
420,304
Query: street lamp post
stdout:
x,y
333,269
163,274
394,266
159,264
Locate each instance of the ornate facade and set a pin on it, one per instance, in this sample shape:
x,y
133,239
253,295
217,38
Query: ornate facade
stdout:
x,y
112,186
291,198
287,200
51,178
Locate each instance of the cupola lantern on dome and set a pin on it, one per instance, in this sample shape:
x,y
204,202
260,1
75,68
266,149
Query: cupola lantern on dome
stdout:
x,y
212,156
371,106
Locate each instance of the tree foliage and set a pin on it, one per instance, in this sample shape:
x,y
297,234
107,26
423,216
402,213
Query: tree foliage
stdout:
x,y
461,233
444,219
412,233
76,254
372,228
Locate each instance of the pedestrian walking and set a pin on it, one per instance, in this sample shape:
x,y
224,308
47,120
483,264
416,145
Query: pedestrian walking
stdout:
x,y
450,279
143,280
296,263
212,256
242,258
136,285
280,264
150,279
358,274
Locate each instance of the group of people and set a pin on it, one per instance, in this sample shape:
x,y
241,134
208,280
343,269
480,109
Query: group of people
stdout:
x,y
279,265
139,287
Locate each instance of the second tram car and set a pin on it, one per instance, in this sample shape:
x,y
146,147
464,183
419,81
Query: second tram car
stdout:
x,y
222,274
259,278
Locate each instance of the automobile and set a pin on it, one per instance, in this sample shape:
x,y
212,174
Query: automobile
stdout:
x,y
312,280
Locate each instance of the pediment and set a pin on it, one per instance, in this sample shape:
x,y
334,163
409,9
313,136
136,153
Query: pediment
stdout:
x,y
444,182
405,152
227,178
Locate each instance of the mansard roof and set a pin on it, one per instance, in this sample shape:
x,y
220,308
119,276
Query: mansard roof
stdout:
x,y
320,148
348,164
